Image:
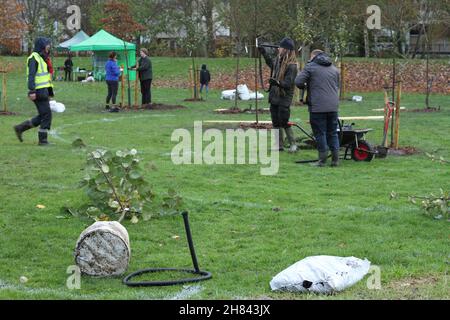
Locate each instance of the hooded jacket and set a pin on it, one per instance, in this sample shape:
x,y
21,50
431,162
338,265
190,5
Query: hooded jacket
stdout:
x,y
39,47
321,78
205,76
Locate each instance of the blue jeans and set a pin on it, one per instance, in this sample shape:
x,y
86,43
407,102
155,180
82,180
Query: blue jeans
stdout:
x,y
325,129
203,85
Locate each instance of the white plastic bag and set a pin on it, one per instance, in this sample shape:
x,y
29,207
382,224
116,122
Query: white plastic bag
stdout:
x,y
228,94
357,98
321,274
57,106
244,93
254,96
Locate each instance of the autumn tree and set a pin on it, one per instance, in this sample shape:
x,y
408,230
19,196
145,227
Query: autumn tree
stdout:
x,y
11,26
119,21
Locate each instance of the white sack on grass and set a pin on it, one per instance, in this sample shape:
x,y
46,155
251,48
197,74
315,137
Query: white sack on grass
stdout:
x,y
244,93
228,94
254,96
321,274
57,106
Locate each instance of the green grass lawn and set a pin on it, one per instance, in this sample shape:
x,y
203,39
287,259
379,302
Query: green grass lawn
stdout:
x,y
238,235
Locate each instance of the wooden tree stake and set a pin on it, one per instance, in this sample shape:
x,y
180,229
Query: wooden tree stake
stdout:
x,y
191,84
5,108
122,90
136,83
397,114
386,113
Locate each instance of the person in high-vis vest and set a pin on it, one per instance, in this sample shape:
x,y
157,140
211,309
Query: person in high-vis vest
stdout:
x,y
40,89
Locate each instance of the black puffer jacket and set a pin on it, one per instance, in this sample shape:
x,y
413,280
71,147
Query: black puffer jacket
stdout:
x,y
321,78
281,96
205,76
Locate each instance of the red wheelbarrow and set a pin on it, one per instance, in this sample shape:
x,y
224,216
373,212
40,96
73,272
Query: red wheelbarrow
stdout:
x,y
355,144
353,140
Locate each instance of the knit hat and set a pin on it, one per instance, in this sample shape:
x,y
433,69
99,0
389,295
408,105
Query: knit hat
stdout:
x,y
287,43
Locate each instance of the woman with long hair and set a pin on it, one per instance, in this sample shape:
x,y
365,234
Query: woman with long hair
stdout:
x,y
282,84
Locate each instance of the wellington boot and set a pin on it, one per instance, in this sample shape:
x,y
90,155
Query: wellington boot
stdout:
x,y
21,128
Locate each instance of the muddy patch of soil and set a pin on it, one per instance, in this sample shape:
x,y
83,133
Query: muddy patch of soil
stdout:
x,y
7,113
426,110
239,111
255,125
194,100
160,106
403,151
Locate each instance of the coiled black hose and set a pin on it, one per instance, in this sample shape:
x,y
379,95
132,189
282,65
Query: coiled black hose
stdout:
x,y
203,275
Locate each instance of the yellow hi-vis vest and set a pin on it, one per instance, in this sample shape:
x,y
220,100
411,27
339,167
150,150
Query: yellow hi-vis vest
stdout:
x,y
43,78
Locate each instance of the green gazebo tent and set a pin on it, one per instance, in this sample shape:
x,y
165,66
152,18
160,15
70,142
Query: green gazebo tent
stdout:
x,y
102,43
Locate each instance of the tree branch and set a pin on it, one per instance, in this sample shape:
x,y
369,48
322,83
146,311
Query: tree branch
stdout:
x,y
99,164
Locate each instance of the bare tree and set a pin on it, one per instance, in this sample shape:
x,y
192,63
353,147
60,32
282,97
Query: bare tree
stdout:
x,y
206,8
30,14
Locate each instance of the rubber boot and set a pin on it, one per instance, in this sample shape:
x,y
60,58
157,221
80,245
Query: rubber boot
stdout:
x,y
290,135
335,158
43,138
21,128
322,159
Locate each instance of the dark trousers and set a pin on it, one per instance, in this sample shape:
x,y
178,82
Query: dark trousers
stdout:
x,y
280,116
146,91
44,117
67,75
204,85
325,129
113,87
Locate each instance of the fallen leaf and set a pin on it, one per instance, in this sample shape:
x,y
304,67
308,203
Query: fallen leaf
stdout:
x,y
176,237
40,206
